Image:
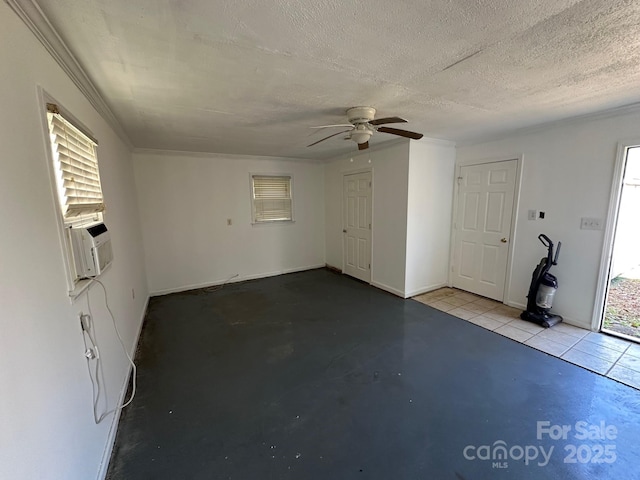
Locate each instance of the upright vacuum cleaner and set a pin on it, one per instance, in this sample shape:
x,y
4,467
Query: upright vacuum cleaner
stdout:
x,y
543,288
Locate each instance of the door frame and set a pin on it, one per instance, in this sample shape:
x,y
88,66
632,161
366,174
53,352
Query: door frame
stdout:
x,y
519,158
342,208
602,287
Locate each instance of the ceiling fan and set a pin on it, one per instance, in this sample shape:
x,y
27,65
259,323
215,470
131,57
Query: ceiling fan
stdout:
x,y
362,124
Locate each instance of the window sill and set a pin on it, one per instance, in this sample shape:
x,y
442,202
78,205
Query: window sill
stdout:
x,y
83,285
273,222
80,287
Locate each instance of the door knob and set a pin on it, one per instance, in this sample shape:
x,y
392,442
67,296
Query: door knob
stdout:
x,y
503,240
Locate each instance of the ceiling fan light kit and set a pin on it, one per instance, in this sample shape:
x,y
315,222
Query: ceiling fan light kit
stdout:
x,y
363,125
361,134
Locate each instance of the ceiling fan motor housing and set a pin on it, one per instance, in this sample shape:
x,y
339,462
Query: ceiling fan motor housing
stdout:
x,y
360,117
357,115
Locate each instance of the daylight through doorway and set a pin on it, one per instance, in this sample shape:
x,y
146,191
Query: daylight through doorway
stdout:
x,y
622,307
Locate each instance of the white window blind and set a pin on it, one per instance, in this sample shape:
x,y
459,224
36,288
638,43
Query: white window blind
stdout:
x,y
76,168
271,198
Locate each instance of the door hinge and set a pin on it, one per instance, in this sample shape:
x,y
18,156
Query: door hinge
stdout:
x,y
460,180
369,184
369,266
369,226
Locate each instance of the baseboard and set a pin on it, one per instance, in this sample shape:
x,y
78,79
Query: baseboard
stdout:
x,y
332,268
567,320
113,429
389,289
279,272
520,306
422,290
239,278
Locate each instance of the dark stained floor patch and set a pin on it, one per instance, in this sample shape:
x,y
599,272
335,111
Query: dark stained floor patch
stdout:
x,y
328,378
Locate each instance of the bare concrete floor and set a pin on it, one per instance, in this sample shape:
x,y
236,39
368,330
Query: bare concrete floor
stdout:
x,y
317,376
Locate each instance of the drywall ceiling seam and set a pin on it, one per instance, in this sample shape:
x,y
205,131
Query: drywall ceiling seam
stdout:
x,y
34,18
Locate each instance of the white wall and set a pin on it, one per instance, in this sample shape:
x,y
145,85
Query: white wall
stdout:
x,y
567,173
185,201
430,200
46,426
390,167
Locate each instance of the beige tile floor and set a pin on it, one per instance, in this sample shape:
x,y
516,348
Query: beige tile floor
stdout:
x,y
613,357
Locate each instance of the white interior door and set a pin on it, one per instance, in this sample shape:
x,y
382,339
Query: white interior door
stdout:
x,y
482,227
357,225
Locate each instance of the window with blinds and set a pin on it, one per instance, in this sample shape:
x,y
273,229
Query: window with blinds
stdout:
x,y
75,168
271,198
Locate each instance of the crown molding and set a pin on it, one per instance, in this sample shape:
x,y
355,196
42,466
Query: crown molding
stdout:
x,y
218,155
622,110
34,18
443,142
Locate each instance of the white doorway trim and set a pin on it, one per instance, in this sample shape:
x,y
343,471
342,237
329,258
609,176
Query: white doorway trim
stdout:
x,y
609,233
514,217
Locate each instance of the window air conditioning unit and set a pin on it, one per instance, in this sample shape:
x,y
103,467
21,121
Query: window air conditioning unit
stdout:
x,y
92,252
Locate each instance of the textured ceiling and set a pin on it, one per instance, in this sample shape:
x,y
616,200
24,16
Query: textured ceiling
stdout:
x,y
251,77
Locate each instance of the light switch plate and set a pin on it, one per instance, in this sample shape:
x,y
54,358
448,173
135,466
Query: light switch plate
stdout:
x,y
589,223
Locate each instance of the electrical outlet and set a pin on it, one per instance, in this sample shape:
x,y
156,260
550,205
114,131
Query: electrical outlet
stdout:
x,y
533,214
588,223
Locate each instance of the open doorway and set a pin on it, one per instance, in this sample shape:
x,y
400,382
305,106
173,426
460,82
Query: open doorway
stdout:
x,y
621,312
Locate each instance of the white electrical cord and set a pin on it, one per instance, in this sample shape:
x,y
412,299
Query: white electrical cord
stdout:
x,y
92,353
95,385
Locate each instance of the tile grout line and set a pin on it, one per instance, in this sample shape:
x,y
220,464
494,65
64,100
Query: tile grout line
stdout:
x,y
533,335
616,362
606,375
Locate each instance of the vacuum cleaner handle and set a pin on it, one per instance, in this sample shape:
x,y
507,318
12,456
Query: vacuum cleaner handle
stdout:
x,y
546,241
555,259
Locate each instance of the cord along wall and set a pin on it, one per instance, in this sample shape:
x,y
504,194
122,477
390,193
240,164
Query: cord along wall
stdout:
x,y
94,360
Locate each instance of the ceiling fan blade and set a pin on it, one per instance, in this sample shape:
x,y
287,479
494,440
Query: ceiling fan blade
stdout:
x,y
381,121
402,133
336,125
363,146
326,138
